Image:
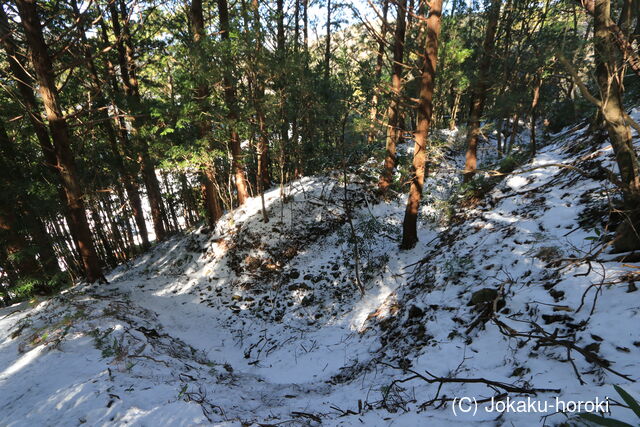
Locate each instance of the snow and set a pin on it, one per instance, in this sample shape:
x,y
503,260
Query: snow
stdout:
x,y
263,323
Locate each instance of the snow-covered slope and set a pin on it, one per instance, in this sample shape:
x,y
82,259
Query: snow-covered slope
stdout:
x,y
264,324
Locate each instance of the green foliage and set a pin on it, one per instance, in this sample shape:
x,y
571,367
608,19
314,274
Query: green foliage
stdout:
x,y
478,187
24,289
314,118
455,267
513,160
108,347
611,422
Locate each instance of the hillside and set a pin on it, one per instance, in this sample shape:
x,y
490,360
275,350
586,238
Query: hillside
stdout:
x,y
261,324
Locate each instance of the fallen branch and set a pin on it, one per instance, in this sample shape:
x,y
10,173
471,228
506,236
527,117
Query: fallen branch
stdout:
x,y
546,339
431,379
306,415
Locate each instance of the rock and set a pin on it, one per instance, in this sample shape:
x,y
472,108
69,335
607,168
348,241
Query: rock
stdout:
x,y
294,274
548,254
626,239
519,371
252,262
483,296
299,287
421,332
415,312
308,300
557,295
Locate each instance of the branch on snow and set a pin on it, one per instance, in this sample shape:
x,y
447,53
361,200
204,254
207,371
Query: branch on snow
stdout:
x,y
495,385
544,338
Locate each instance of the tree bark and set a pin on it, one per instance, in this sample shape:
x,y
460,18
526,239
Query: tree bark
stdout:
x,y
393,113
106,123
263,180
16,207
609,73
425,112
281,84
479,91
327,45
231,102
305,25
61,140
213,209
618,37
14,241
500,137
16,247
514,131
457,95
296,26
25,89
126,59
375,99
534,112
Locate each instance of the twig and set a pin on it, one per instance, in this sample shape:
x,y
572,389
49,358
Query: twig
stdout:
x,y
547,339
431,379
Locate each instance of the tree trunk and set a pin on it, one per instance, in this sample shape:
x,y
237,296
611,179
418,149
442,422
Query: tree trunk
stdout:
x,y
514,132
425,111
609,73
28,98
500,136
296,26
61,140
256,82
15,202
124,44
618,37
187,200
393,113
479,91
534,111
213,209
103,205
110,253
107,125
305,25
173,217
281,84
327,45
16,248
457,95
46,252
232,107
375,99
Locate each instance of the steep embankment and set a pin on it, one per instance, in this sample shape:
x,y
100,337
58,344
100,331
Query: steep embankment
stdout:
x,y
264,322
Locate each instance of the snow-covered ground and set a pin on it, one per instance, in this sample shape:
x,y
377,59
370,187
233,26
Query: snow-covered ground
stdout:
x,y
263,323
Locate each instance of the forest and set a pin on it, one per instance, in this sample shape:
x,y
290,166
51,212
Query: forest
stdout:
x,y
306,212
